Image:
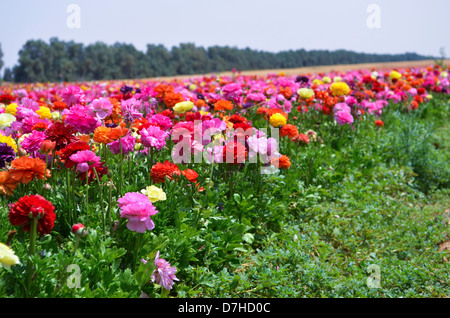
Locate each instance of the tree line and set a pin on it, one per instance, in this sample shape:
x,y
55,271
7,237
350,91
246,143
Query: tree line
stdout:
x,y
69,61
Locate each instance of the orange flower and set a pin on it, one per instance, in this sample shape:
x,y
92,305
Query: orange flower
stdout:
x,y
190,174
25,169
171,99
162,90
101,135
223,105
286,92
289,130
7,184
59,105
200,103
117,132
282,162
114,117
40,126
84,138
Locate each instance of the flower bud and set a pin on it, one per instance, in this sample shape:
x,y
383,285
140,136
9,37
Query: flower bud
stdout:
x,y
47,146
79,230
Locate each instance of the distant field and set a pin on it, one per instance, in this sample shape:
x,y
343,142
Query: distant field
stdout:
x,y
323,68
304,70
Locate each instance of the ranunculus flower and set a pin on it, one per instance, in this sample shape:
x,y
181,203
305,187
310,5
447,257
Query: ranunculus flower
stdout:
x,y
101,107
33,206
154,193
183,107
340,89
277,120
343,117
137,208
6,120
80,118
164,274
305,93
85,159
127,143
7,256
153,137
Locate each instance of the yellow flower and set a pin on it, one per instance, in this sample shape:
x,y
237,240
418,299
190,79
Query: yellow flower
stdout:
x,y
305,93
183,107
9,141
317,82
11,109
154,193
7,256
6,120
44,112
277,120
337,79
444,74
395,75
340,89
326,79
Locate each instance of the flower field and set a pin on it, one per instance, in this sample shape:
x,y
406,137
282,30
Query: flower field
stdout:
x,y
311,185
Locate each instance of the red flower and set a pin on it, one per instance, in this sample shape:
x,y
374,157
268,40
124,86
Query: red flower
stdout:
x,y
190,174
33,206
71,149
101,170
6,99
379,123
160,171
61,134
234,153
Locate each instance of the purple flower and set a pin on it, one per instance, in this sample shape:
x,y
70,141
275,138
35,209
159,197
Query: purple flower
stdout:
x,y
164,274
7,154
130,109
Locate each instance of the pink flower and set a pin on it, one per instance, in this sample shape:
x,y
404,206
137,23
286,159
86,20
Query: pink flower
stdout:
x,y
137,208
164,274
32,142
80,119
84,160
72,95
131,109
127,142
163,121
153,137
341,107
343,117
101,108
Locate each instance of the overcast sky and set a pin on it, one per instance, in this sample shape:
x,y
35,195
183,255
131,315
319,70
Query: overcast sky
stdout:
x,y
401,26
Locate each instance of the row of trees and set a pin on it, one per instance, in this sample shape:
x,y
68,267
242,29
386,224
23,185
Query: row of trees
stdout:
x,y
69,61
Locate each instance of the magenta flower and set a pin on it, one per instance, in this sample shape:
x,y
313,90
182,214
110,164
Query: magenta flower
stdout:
x,y
153,137
341,107
131,109
164,274
72,95
33,141
137,208
80,119
343,117
101,108
127,142
84,160
163,121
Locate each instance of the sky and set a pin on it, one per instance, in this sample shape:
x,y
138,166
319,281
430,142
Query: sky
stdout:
x,y
369,26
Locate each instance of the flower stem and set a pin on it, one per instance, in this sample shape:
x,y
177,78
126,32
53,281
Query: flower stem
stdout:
x,y
31,253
